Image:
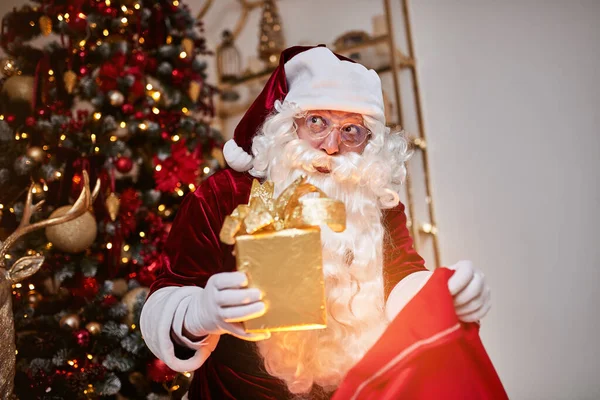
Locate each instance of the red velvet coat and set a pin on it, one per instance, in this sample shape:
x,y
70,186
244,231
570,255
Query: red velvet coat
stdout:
x,y
194,252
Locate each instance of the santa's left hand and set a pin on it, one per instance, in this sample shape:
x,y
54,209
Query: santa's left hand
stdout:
x,y
470,292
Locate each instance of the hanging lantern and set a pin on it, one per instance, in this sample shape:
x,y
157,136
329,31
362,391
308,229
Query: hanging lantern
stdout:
x,y
228,58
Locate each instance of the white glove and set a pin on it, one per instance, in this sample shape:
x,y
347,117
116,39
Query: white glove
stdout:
x,y
223,304
472,296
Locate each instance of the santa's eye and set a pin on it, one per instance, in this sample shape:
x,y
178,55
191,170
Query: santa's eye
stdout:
x,y
316,123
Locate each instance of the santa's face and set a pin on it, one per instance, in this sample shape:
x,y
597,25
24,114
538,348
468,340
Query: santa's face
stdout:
x,y
334,132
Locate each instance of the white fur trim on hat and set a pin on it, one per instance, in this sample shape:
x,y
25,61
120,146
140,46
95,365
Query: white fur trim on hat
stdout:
x,y
318,80
236,157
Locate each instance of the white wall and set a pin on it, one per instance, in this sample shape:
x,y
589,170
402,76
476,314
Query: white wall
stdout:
x,y
512,101
511,95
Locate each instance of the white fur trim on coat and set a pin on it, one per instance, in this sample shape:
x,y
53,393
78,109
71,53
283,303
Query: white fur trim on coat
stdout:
x,y
164,311
236,157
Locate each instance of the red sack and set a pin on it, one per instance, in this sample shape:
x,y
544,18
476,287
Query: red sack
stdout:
x,y
426,353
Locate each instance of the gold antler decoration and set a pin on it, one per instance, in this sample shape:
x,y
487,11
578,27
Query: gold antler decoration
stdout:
x,y
22,269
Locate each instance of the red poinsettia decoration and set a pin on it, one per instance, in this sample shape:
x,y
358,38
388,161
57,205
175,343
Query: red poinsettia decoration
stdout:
x,y
181,168
117,68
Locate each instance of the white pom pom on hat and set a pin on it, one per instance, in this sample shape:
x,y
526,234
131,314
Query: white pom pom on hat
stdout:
x,y
314,78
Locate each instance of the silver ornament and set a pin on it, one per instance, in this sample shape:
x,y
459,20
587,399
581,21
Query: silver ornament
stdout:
x,y
116,98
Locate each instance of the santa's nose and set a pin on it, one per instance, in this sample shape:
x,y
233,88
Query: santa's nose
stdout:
x,y
331,144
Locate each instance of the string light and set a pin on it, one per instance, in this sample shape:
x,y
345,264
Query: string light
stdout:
x,y
31,23
158,168
124,20
156,96
179,192
2,117
137,6
93,137
126,247
67,15
143,126
31,286
175,138
97,149
141,40
124,260
123,124
109,245
187,374
60,17
105,32
8,257
124,8
97,115
63,137
132,326
50,72
113,138
24,135
1,206
185,110
149,87
206,170
89,356
82,43
155,110
57,174
161,208
182,55
82,16
142,234
176,3
192,187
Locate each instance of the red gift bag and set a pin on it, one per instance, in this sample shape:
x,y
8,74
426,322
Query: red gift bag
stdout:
x,y
426,353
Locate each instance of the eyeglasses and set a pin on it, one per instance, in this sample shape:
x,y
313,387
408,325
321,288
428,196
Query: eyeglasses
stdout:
x,y
352,135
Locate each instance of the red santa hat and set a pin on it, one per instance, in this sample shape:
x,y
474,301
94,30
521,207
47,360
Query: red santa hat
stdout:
x,y
312,78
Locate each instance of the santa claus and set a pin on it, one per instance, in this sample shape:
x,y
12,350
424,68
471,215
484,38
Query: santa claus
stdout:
x,y
320,115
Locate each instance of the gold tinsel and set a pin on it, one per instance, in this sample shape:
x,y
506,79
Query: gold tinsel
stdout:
x,y
45,25
74,236
70,79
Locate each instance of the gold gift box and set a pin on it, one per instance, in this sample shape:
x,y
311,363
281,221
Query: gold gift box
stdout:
x,y
287,267
278,246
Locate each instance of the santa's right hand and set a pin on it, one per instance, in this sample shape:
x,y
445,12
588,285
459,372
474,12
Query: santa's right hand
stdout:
x,y
222,306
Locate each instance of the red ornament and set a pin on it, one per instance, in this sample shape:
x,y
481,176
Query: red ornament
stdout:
x,y
41,112
109,300
82,336
177,76
30,121
127,108
83,71
165,135
124,164
10,118
158,371
139,59
139,115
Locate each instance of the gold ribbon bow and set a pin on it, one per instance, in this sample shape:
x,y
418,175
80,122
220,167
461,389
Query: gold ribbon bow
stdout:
x,y
263,213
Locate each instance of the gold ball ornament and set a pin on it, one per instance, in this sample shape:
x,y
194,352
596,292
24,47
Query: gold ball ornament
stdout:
x,y
19,88
119,287
94,328
8,67
130,300
36,153
74,236
70,321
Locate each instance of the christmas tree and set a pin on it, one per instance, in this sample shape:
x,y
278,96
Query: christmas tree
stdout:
x,y
117,89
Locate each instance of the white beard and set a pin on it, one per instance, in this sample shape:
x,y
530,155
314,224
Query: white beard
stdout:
x,y
352,263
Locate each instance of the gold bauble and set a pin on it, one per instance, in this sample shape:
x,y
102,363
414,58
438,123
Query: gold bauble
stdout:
x,y
45,25
70,321
119,287
194,90
36,153
33,298
70,79
19,88
74,236
94,328
129,300
9,67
